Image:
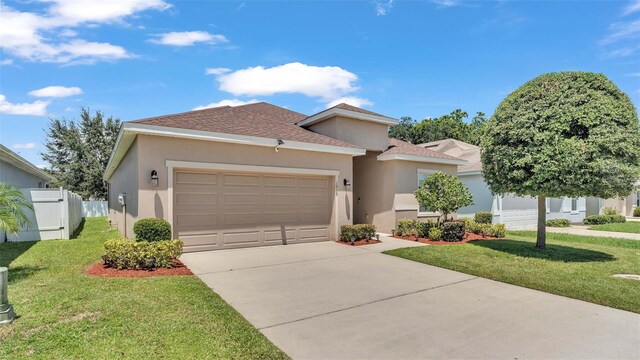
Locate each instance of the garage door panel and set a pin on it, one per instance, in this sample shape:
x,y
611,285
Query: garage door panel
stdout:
x,y
229,210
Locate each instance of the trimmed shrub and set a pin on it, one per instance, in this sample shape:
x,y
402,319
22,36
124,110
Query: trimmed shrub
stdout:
x,y
636,212
435,234
425,227
152,229
453,231
353,233
609,211
558,223
408,227
122,253
483,217
497,230
604,219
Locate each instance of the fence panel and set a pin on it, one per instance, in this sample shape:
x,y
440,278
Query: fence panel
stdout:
x,y
94,208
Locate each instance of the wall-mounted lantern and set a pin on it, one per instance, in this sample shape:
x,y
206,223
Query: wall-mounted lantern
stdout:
x,y
346,183
154,178
280,142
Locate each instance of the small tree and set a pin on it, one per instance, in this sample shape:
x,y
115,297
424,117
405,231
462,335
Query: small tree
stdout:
x,y
568,134
13,204
443,193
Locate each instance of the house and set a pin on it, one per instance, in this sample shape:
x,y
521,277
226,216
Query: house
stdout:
x,y
513,211
17,171
259,174
625,206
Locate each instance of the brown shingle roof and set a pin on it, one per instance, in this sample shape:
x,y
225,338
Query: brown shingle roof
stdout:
x,y
459,149
404,148
260,119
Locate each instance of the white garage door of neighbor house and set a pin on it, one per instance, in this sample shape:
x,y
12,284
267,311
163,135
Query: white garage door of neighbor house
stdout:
x,y
225,210
519,219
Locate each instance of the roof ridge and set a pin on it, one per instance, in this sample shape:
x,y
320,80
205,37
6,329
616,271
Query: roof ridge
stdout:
x,y
181,113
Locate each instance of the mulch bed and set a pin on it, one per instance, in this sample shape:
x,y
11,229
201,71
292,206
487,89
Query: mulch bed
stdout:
x,y
467,238
101,270
359,242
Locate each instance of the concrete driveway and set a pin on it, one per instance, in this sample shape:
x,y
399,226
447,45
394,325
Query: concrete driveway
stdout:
x,y
331,301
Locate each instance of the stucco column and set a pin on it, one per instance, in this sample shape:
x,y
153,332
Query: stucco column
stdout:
x,y
6,310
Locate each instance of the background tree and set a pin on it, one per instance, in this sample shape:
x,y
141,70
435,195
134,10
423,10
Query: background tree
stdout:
x,y
450,126
13,206
568,134
78,154
443,193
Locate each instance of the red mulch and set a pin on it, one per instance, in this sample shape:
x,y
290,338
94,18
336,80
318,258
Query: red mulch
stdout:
x,y
360,242
99,269
467,238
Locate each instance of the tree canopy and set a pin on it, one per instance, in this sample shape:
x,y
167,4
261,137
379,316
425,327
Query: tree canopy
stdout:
x,y
443,193
567,134
78,153
449,126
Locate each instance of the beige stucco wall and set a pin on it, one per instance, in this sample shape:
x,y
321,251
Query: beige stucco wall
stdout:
x,y
383,190
154,151
365,134
125,180
624,206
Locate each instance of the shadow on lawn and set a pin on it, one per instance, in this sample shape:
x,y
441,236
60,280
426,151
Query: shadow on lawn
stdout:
x,y
78,230
551,252
22,272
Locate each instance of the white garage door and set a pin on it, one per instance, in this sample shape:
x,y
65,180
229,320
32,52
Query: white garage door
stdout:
x,y
224,210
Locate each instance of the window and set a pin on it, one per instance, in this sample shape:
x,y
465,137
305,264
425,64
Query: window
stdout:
x,y
574,205
422,175
638,199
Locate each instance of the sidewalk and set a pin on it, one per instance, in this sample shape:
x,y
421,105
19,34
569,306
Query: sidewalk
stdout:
x,y
584,230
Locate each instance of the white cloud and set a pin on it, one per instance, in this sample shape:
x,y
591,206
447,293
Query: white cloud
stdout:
x,y
446,3
622,40
37,36
189,38
6,62
328,82
227,102
38,107
351,100
25,146
56,91
631,8
216,71
41,166
383,7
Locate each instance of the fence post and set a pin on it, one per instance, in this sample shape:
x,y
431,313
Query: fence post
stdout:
x,y
66,233
6,310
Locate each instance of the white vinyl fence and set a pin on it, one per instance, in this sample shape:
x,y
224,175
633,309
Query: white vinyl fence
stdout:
x,y
57,214
93,208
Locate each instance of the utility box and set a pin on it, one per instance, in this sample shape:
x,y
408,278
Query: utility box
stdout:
x,y
6,310
122,199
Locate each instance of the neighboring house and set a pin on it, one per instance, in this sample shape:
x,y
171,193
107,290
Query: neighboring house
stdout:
x,y
17,171
259,174
57,212
513,211
624,206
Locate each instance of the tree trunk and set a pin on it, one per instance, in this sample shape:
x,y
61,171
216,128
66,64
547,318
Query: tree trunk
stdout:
x,y
542,219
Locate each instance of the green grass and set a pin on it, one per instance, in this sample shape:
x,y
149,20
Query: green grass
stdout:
x,y
64,313
579,267
626,227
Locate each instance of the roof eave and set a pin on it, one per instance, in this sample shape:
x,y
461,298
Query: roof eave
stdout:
x,y
417,158
329,113
130,130
26,165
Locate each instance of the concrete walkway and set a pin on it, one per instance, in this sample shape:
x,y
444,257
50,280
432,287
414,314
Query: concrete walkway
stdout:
x,y
584,230
332,301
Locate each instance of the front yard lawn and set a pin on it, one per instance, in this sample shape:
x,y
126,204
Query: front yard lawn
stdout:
x,y
579,267
626,227
67,314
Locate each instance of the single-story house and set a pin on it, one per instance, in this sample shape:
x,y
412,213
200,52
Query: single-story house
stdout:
x,y
513,211
17,171
259,174
625,206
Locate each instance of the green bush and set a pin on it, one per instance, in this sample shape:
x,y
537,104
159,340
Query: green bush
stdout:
x,y
495,230
408,227
604,219
558,223
122,253
352,233
435,234
152,229
636,212
425,227
609,211
453,231
483,217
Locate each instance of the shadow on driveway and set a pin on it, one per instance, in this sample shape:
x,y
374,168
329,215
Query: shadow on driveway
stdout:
x,y
552,252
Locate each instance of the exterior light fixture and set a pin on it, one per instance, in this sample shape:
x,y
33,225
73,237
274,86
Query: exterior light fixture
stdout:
x,y
154,178
346,183
280,142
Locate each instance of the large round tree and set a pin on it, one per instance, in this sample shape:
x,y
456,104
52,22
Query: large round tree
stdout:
x,y
567,134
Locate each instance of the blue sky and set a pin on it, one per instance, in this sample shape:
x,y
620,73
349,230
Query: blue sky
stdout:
x,y
140,58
